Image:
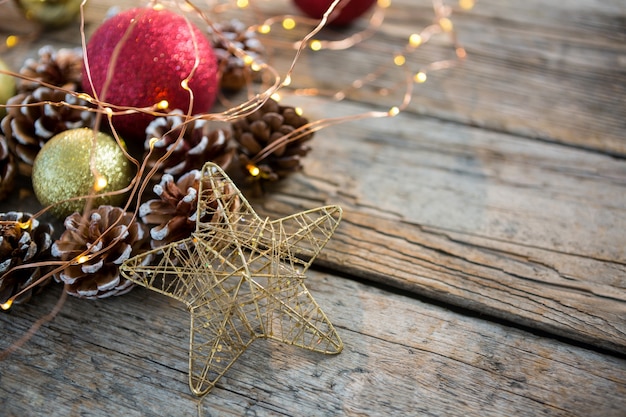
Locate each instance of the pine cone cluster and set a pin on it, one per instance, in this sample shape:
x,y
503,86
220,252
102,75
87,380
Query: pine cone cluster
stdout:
x,y
8,168
36,118
60,68
94,247
268,126
199,144
234,73
173,215
23,241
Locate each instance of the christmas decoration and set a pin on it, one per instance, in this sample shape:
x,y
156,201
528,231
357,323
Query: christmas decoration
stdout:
x,y
174,213
60,68
265,150
234,35
345,12
94,247
7,87
62,171
8,169
36,117
153,68
50,13
242,278
198,144
23,240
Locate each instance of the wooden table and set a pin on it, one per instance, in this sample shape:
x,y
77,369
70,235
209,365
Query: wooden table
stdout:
x,y
480,268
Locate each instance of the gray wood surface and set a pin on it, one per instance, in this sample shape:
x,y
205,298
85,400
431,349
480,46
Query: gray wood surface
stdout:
x,y
500,193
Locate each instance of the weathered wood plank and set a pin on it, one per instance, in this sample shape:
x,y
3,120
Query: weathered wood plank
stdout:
x,y
530,233
128,356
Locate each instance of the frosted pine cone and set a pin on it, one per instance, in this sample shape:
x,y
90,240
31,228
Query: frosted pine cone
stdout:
x,y
174,214
23,240
8,168
30,124
266,126
94,248
234,73
62,68
199,145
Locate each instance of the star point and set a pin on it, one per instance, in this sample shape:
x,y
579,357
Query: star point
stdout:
x,y
242,278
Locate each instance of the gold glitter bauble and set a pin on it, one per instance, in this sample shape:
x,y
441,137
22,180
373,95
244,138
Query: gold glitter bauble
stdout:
x,y
7,87
50,13
62,171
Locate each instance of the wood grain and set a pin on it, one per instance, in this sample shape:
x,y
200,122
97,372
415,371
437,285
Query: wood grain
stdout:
x,y
128,356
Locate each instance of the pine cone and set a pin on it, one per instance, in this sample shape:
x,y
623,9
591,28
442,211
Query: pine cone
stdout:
x,y
23,241
268,124
235,74
175,212
62,68
106,238
8,169
32,123
199,145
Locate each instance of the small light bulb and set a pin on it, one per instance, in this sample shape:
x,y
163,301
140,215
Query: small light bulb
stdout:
x,y
7,305
276,97
82,259
399,60
242,4
446,24
394,111
466,4
415,40
163,105
420,77
287,80
185,84
298,111
100,183
315,45
12,41
289,23
152,141
384,3
253,170
265,29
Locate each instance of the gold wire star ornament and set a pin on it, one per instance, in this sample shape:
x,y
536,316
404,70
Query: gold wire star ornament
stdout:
x,y
242,278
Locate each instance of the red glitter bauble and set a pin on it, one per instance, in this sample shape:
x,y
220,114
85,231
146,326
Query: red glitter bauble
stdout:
x,y
159,52
353,9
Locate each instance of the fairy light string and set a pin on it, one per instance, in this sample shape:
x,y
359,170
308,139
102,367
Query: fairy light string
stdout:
x,y
399,59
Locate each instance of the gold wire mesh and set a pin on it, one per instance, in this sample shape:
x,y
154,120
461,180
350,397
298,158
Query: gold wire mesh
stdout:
x,y
242,278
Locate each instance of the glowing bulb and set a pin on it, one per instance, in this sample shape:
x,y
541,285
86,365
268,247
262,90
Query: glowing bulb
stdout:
x,y
399,60
446,24
163,105
287,80
24,226
12,41
248,60
100,184
394,111
242,4
466,4
415,40
384,3
253,170
460,52
185,84
255,67
157,7
153,141
420,77
265,29
276,97
82,259
7,305
289,23
298,111
316,45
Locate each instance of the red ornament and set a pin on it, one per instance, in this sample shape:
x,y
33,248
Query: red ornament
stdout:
x,y
154,59
350,9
